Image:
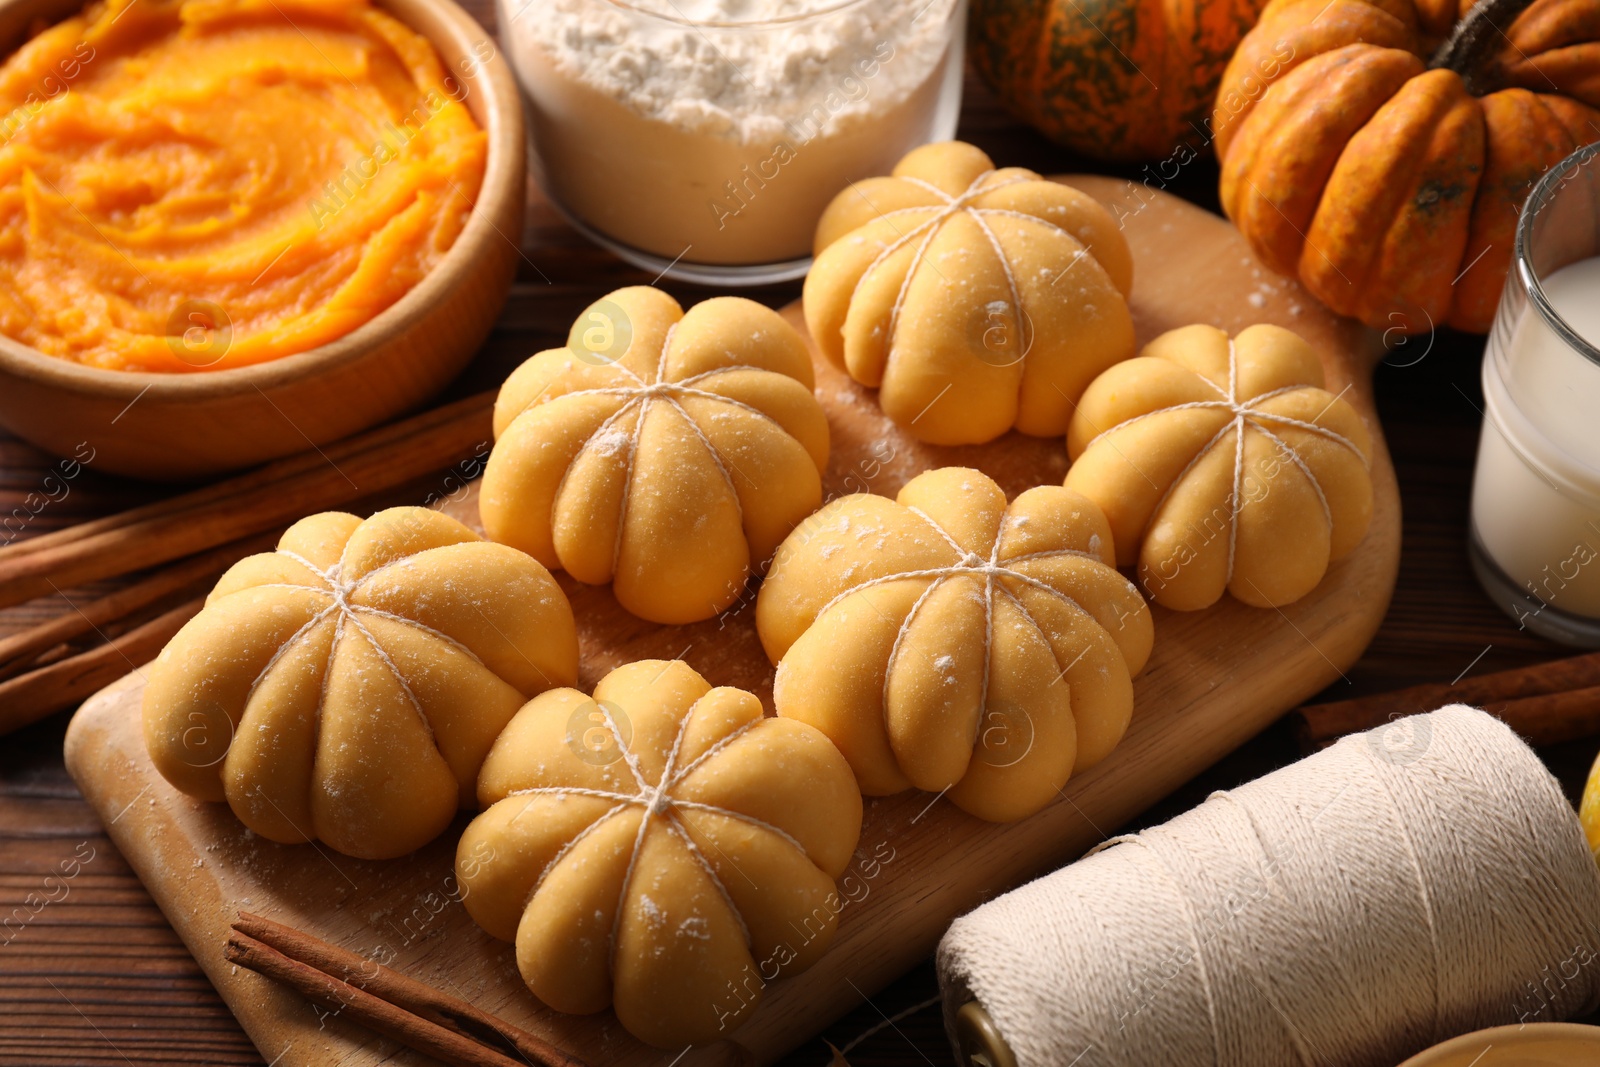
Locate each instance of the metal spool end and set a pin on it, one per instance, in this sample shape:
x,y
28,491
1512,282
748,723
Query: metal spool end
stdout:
x,y
978,1040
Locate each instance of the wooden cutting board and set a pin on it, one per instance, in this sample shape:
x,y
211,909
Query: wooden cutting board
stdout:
x,y
1216,678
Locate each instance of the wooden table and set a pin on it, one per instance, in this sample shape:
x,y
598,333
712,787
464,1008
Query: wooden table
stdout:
x,y
90,972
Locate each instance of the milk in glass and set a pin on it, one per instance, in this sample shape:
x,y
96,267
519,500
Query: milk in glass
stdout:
x,y
1536,493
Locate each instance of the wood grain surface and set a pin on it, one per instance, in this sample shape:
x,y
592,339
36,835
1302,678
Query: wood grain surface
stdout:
x,y
1215,678
92,973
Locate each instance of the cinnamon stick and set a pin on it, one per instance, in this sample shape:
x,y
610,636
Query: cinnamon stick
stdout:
x,y
29,697
362,1007
266,499
19,648
342,980
288,467
1546,704
1552,718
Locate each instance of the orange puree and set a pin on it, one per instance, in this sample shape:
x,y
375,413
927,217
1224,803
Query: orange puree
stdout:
x,y
215,183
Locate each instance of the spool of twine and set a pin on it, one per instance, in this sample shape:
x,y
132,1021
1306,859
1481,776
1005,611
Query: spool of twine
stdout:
x,y
1406,885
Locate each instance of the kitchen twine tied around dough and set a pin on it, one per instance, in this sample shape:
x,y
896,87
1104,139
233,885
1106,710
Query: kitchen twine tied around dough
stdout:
x,y
1408,884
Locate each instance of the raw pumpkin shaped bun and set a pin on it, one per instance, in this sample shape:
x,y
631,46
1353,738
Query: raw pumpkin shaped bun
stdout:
x,y
973,299
668,463
658,846
1224,465
946,641
347,686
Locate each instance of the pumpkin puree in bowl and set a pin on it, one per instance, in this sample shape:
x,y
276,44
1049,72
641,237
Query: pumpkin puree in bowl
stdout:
x,y
199,184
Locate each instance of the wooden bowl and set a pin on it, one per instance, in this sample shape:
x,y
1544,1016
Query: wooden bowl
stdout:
x,y
1530,1045
175,426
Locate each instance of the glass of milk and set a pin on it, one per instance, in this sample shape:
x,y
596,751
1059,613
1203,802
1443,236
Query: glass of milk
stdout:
x,y
702,139
1536,491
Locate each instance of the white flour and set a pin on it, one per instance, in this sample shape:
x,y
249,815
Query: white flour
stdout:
x,y
730,75
724,126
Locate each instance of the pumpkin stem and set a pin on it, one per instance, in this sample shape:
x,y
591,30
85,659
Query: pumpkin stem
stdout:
x,y
1476,38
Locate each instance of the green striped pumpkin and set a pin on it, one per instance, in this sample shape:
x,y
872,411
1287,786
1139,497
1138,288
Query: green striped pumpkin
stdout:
x,y
1124,80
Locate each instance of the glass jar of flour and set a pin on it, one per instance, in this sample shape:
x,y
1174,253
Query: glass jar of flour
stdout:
x,y
704,138
1536,490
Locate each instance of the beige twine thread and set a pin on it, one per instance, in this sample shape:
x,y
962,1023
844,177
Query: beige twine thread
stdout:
x,y
1247,414
1406,885
657,802
643,394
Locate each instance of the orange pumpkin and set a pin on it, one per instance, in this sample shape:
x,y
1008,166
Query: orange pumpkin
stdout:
x,y
1111,79
1385,163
